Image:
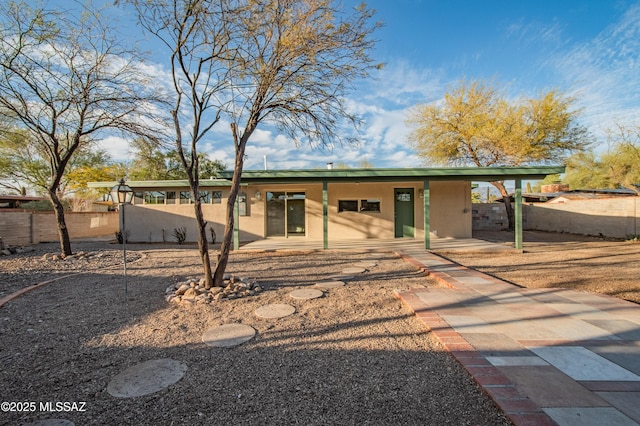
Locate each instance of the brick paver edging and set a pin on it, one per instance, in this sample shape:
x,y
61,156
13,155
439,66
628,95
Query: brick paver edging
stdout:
x,y
518,407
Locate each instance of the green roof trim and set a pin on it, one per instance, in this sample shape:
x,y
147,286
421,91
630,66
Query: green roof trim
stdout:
x,y
483,174
397,174
144,184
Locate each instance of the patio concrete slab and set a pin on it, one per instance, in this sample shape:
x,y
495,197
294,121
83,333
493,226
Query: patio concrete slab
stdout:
x,y
627,402
548,387
626,356
586,416
516,360
581,364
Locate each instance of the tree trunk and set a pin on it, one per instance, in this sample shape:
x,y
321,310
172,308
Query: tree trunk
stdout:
x,y
507,204
203,243
225,245
63,232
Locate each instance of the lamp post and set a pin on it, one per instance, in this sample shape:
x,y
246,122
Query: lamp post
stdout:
x,y
122,194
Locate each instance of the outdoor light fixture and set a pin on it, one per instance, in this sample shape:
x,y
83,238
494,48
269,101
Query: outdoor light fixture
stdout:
x,y
122,194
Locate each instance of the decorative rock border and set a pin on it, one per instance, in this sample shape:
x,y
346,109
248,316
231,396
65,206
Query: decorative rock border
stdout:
x,y
191,291
146,378
228,335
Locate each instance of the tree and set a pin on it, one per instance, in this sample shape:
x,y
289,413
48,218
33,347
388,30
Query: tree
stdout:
x,y
65,80
288,62
293,62
616,168
477,124
152,162
197,39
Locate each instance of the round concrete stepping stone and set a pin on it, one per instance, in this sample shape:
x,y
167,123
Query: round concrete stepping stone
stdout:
x,y
228,335
51,422
276,310
366,264
306,294
353,270
330,284
146,378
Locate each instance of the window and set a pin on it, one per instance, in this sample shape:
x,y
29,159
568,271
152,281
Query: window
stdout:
x,y
154,197
185,197
347,206
217,197
242,204
138,197
205,197
370,206
171,197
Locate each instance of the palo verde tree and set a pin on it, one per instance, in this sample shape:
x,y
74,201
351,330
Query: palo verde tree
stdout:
x,y
293,63
65,80
288,62
196,37
478,125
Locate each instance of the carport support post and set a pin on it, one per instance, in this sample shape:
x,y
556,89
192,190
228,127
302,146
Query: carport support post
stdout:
x,y
325,215
518,214
236,225
427,218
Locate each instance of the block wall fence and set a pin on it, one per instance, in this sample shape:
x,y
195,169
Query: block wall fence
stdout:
x,y
21,228
610,217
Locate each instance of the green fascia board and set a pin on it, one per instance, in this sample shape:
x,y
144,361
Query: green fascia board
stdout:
x,y
482,174
488,174
144,184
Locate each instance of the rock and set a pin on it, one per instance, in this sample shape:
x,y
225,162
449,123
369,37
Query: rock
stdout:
x,y
190,292
215,290
180,291
170,289
5,252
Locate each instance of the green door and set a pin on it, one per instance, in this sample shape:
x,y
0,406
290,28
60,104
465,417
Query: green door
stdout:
x,y
404,212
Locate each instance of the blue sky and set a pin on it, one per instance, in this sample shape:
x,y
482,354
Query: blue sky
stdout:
x,y
589,49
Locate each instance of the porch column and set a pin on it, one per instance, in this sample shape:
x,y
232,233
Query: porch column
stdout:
x,y
427,213
518,214
325,215
236,225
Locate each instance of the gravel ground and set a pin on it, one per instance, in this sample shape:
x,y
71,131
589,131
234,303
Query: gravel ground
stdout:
x,y
582,263
354,356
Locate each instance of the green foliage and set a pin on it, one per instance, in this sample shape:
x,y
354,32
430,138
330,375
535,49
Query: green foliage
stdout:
x,y
618,167
152,162
478,124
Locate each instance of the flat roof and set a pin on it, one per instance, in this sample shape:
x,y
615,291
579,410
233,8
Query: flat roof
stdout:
x,y
482,174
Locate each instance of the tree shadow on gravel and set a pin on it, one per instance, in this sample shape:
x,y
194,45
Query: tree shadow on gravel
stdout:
x,y
356,356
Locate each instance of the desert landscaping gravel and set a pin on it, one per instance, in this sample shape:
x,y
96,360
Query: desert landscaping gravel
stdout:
x,y
356,355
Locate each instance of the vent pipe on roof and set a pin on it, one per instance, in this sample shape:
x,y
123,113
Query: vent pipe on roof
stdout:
x,y
329,166
265,162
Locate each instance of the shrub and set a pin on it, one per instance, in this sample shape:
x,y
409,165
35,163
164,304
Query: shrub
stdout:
x,y
180,234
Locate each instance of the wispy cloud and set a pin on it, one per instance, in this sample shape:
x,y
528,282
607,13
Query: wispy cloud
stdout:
x,y
604,73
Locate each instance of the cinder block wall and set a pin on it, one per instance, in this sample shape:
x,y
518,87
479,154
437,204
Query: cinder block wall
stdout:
x,y
16,227
19,228
611,217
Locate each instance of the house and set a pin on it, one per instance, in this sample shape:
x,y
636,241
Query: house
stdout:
x,y
323,204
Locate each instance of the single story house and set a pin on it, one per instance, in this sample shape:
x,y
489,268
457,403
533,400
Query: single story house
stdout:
x,y
324,204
